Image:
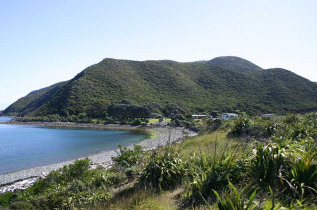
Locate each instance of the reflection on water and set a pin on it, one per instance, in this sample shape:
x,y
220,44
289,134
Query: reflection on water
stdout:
x,y
26,146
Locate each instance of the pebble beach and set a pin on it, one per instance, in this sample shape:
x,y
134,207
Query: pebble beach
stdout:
x,y
25,178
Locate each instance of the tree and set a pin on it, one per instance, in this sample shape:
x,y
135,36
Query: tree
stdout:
x,y
97,109
173,108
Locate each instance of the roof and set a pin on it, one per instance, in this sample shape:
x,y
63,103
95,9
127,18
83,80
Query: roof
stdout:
x,y
229,114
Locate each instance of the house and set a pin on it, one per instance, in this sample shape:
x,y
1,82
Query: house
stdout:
x,y
154,115
268,115
228,116
199,116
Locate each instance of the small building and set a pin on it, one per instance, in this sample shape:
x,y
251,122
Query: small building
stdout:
x,y
228,116
199,116
268,115
154,115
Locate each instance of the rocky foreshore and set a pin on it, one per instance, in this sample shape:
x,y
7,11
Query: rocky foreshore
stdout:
x,y
25,178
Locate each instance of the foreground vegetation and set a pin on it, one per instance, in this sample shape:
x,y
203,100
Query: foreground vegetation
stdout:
x,y
244,163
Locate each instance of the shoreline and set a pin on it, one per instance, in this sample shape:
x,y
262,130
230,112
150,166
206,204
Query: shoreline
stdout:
x,y
25,178
76,125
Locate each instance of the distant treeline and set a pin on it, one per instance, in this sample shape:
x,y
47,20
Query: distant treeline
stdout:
x,y
121,112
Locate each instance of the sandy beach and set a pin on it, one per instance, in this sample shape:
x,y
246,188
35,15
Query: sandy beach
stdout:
x,y
24,178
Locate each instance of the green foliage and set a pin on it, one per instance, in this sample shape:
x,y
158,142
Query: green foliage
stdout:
x,y
282,169
173,109
136,122
235,199
235,63
6,198
214,173
163,172
240,126
98,109
127,157
67,188
304,175
128,111
266,162
213,124
225,84
21,205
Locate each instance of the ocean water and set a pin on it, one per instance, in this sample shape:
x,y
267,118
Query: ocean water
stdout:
x,y
27,146
4,119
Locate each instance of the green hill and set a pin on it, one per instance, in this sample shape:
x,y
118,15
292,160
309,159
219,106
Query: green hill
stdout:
x,y
224,84
234,63
33,100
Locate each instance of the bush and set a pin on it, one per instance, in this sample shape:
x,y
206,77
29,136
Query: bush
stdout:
x,y
179,117
212,175
76,170
164,171
127,157
77,186
213,124
235,199
136,122
304,176
266,163
240,127
21,205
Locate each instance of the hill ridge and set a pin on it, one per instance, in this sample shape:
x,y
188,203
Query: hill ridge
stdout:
x,y
225,83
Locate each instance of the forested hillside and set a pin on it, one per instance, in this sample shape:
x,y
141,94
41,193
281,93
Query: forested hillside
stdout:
x,y
228,84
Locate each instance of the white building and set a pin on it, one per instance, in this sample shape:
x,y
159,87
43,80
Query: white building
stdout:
x,y
228,116
199,116
268,115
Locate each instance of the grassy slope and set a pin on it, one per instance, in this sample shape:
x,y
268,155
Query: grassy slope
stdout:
x,y
225,84
205,145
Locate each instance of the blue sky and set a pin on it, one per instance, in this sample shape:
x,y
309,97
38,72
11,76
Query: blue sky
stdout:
x,y
43,42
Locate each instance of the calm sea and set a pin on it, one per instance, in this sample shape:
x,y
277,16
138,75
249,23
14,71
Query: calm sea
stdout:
x,y
26,146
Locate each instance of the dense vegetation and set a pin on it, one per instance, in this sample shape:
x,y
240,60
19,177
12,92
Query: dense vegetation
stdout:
x,y
243,163
33,100
226,84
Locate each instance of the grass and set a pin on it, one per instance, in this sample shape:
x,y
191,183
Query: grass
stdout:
x,y
156,120
208,144
147,201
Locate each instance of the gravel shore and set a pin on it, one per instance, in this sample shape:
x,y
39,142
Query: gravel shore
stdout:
x,y
74,125
25,178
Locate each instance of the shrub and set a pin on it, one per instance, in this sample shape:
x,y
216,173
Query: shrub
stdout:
x,y
136,122
106,179
179,117
127,157
164,171
213,175
77,186
266,163
304,176
78,169
240,127
213,124
270,129
235,199
21,205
